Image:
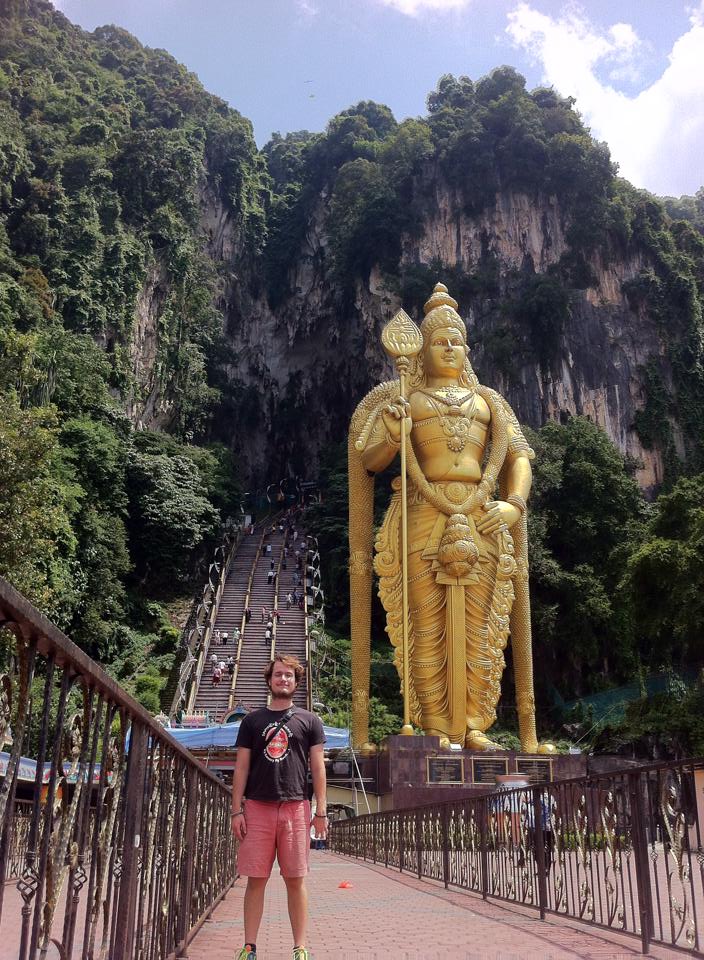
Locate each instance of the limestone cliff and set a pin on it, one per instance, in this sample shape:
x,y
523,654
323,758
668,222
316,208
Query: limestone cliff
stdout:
x,y
303,366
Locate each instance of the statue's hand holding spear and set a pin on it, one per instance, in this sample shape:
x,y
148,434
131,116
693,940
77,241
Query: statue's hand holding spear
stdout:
x,y
402,341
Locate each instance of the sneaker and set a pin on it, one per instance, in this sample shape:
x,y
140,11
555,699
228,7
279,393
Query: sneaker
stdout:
x,y
246,954
300,953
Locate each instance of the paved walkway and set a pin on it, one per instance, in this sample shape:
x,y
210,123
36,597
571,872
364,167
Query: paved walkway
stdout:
x,y
389,916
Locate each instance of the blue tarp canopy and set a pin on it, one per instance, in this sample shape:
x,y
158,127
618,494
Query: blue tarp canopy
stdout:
x,y
225,735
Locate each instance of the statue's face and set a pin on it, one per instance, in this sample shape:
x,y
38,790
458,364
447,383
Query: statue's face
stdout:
x,y
444,355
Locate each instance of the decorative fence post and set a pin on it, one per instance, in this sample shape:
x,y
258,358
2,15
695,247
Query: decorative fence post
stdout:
x,y
189,840
134,806
444,815
640,849
484,842
539,840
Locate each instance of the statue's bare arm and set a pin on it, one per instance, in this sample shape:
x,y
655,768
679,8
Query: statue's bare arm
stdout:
x,y
519,479
385,438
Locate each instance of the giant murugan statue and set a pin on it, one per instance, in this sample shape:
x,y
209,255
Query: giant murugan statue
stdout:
x,y
465,575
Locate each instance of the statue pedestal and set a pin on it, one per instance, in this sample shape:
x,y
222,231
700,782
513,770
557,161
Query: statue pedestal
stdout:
x,y
416,770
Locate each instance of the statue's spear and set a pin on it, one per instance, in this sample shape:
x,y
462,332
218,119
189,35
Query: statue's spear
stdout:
x,y
402,341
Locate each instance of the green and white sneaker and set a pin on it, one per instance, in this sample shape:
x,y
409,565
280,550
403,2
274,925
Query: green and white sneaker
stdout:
x,y
246,953
300,953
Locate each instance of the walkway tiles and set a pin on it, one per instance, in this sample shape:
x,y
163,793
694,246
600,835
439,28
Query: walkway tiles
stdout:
x,y
388,916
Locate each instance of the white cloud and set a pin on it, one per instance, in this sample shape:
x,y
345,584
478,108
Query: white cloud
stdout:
x,y
413,8
657,135
307,8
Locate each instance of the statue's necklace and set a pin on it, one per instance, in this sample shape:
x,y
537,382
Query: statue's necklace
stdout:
x,y
455,422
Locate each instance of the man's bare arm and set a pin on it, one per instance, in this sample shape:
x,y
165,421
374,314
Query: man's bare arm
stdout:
x,y
239,782
317,769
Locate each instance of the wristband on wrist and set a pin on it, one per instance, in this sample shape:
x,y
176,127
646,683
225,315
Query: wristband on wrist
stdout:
x,y
321,816
237,813
517,501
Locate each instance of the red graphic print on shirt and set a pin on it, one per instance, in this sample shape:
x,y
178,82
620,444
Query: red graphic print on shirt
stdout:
x,y
277,747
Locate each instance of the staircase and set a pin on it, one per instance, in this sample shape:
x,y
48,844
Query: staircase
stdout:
x,y
291,626
253,651
289,635
216,699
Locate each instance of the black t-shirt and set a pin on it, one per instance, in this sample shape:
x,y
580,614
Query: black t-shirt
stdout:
x,y
279,766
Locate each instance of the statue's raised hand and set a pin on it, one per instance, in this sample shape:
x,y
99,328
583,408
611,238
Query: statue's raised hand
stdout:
x,y
393,415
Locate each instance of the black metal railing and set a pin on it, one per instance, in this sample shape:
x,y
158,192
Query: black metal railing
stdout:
x,y
622,851
116,843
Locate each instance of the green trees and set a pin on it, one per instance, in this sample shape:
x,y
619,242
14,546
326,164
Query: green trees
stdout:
x,y
586,513
169,514
663,579
103,150
38,543
115,165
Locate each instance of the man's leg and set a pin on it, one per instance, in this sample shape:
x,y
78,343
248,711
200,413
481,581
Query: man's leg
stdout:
x,y
297,908
253,907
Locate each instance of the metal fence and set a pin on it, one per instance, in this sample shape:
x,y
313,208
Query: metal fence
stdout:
x,y
119,844
622,851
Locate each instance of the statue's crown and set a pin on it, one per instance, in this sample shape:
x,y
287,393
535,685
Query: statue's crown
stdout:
x,y
439,298
441,311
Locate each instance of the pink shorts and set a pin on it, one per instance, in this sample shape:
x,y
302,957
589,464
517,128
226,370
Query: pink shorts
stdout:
x,y
279,830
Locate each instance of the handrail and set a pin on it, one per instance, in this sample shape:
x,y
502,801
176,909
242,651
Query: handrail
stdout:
x,y
309,671
197,640
231,700
319,616
126,827
275,620
621,850
216,596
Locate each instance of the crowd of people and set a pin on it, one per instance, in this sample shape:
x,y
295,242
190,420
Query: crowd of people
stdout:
x,y
221,667
295,549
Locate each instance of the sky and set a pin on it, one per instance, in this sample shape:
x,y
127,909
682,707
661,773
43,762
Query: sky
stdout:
x,y
634,67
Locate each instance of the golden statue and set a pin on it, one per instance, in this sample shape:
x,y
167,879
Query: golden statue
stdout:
x,y
463,577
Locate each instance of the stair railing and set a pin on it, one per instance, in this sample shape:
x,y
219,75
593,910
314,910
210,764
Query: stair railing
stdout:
x,y
275,620
247,600
197,641
310,614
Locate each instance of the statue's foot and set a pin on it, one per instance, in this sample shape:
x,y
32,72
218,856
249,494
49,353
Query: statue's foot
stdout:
x,y
476,740
444,739
367,749
533,746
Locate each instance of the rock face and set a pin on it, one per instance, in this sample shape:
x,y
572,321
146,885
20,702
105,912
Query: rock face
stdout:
x,y
297,371
301,368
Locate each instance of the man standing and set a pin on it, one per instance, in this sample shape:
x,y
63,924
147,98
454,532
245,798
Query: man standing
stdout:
x,y
274,746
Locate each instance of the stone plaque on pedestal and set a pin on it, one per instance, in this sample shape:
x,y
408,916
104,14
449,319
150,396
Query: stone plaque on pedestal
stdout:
x,y
417,770
445,769
487,769
535,769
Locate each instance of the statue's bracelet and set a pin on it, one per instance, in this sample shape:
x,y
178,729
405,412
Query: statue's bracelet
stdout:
x,y
517,501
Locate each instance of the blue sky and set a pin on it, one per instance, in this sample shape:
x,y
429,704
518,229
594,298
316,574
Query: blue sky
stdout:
x,y
634,66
